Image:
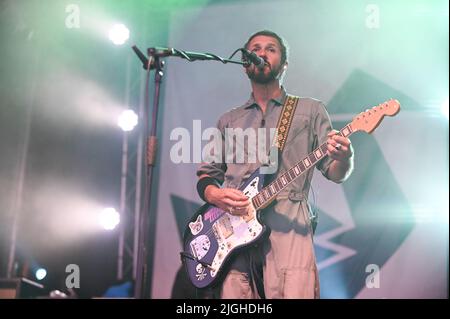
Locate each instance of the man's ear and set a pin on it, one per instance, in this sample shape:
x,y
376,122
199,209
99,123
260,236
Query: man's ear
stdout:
x,y
282,71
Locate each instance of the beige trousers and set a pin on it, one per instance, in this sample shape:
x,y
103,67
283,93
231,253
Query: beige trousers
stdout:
x,y
287,257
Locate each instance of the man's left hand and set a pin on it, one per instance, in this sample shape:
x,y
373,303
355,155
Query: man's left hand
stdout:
x,y
339,147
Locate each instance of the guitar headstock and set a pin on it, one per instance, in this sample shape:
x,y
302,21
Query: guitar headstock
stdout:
x,y
369,120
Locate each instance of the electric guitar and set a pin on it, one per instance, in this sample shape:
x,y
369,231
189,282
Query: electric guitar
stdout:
x,y
213,235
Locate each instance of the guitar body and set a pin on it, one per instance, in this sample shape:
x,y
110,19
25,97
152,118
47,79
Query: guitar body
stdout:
x,y
213,236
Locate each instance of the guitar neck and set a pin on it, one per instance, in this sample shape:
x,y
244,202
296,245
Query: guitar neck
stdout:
x,y
269,192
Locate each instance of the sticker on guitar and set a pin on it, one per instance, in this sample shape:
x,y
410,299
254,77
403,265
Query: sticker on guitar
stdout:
x,y
197,226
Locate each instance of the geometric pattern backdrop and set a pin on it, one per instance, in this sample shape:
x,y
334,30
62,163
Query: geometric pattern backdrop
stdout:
x,y
394,199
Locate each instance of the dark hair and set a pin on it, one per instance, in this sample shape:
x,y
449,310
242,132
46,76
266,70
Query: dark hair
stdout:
x,y
283,44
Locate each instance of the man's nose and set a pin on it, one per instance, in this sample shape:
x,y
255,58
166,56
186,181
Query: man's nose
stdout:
x,y
263,55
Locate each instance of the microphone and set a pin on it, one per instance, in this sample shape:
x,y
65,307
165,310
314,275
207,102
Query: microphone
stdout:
x,y
252,58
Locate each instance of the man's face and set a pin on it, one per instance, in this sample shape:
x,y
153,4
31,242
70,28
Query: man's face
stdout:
x,y
269,49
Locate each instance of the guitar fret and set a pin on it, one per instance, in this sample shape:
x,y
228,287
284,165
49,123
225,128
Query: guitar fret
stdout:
x,y
302,167
307,162
291,174
272,188
288,177
346,131
256,201
296,170
318,153
312,158
324,148
280,185
263,198
275,184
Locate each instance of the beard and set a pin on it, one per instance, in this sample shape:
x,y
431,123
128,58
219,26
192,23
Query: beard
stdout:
x,y
258,76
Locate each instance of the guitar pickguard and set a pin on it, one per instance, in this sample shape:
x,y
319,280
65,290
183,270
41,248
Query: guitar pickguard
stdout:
x,y
245,230
232,231
215,234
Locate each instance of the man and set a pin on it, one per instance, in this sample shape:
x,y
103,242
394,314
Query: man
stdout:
x,y
282,266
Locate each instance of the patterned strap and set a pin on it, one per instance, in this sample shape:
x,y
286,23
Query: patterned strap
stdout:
x,y
285,120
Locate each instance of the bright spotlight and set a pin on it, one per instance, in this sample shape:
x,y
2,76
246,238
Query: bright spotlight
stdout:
x,y
40,273
109,218
119,34
444,108
127,120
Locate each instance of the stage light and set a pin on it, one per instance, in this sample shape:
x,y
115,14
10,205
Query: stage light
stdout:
x,y
444,108
109,218
40,273
119,34
127,120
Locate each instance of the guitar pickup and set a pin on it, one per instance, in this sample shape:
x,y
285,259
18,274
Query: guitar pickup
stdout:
x,y
223,227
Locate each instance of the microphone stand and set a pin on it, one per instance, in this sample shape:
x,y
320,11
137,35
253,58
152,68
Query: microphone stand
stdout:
x,y
143,284
147,218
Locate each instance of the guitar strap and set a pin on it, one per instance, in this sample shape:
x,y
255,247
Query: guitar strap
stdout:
x,y
284,124
285,121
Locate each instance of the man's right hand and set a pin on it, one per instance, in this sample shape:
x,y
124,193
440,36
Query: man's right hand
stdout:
x,y
230,200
